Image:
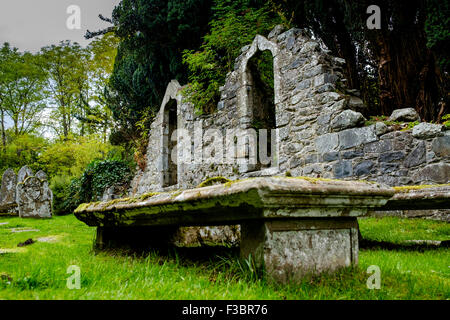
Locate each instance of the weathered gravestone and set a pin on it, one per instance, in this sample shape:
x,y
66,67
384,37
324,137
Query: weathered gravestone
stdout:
x,y
41,175
34,196
24,173
8,193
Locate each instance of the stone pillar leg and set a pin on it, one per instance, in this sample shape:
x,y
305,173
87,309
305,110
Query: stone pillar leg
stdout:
x,y
291,249
133,237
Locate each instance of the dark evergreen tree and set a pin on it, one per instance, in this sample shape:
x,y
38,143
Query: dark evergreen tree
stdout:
x,y
153,35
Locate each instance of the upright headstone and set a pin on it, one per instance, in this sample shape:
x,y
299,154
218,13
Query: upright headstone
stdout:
x,y
24,173
41,175
34,196
8,193
46,191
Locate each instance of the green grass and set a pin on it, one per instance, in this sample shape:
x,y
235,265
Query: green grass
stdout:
x,y
397,230
39,272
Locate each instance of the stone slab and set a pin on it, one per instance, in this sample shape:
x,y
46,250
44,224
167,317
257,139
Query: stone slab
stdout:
x,y
417,198
8,204
48,239
290,226
14,250
239,201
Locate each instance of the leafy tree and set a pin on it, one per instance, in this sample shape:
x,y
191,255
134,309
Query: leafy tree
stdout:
x,y
66,160
22,90
21,150
93,113
71,156
235,25
67,67
437,29
98,176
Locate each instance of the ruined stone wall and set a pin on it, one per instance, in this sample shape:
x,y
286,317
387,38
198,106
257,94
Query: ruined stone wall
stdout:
x,y
320,130
299,67
394,158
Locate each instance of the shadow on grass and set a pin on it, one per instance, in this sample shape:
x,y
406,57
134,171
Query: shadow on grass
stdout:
x,y
216,259
205,253
216,253
384,245
183,255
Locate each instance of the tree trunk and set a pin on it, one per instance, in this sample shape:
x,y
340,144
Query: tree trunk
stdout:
x,y
408,77
105,128
345,47
408,73
65,124
3,130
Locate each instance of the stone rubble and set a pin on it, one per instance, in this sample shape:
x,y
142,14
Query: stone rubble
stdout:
x,y
426,130
405,114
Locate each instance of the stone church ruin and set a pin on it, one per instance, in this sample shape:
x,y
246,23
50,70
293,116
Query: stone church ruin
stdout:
x,y
317,125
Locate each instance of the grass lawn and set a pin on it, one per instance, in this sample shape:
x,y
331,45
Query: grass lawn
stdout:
x,y
39,270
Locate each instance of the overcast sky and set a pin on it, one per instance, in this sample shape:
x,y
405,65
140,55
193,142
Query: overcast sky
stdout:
x,y
32,24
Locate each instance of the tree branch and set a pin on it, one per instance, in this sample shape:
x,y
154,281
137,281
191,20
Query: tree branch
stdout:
x,y
90,34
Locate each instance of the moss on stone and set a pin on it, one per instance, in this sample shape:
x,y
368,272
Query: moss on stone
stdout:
x,y
115,201
419,187
145,196
213,181
82,207
175,193
310,179
107,204
229,183
314,180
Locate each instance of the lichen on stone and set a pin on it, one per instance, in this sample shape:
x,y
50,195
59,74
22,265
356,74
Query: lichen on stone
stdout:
x,y
175,193
105,205
312,180
419,187
145,196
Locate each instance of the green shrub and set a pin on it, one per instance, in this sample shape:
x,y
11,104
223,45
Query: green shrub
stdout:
x,y
235,24
71,156
100,175
446,119
60,186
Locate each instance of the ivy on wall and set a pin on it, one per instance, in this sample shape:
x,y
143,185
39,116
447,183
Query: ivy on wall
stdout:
x,y
98,176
